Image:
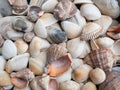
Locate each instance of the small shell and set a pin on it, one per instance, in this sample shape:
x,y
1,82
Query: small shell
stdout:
x,y
60,66
2,63
97,75
113,35
34,13
82,1
55,51
91,31
4,79
17,63
89,86
61,8
87,11
9,49
115,29
28,36
26,88
78,48
1,40
81,73
21,45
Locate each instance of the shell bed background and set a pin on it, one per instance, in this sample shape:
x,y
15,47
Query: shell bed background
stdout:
x,y
59,44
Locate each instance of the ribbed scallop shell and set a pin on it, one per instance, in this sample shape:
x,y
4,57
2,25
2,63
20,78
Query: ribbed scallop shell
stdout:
x,y
101,58
91,31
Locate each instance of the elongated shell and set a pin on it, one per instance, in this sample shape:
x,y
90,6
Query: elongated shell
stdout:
x,y
101,58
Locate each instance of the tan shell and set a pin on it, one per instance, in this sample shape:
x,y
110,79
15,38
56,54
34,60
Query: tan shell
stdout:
x,y
101,58
55,51
91,31
89,86
2,63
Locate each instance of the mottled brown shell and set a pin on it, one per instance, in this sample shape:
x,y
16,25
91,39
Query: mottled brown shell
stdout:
x,y
101,58
112,82
65,9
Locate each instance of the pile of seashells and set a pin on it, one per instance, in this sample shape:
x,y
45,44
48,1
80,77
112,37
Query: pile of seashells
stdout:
x,y
59,45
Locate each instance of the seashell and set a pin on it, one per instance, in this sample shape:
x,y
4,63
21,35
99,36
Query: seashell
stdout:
x,y
47,6
56,51
114,23
97,75
89,86
91,31
40,29
37,64
113,35
111,82
53,84
69,85
38,44
28,36
19,7
57,36
78,48
60,66
1,40
1,88
9,49
36,2
9,87
87,11
65,76
11,1
34,13
115,29
2,63
27,88
61,8
104,22
103,42
82,1
4,79
108,7
17,63
81,73
101,58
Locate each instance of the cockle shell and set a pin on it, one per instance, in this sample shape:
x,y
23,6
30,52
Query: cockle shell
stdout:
x,y
21,45
2,63
55,51
26,88
108,7
87,11
89,86
60,66
9,49
17,63
91,31
82,1
101,58
78,48
28,36
4,79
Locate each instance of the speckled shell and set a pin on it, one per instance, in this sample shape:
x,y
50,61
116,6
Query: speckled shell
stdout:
x,y
101,58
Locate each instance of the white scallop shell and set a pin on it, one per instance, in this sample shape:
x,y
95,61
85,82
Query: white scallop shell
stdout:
x,y
2,63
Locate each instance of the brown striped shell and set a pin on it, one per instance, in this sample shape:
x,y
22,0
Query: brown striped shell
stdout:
x,y
101,58
112,82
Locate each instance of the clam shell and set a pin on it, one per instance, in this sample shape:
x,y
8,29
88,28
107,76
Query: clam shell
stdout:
x,y
9,49
4,79
21,45
2,63
108,7
60,66
82,1
91,31
37,64
87,11
28,36
101,58
78,48
89,86
55,51
17,63
26,88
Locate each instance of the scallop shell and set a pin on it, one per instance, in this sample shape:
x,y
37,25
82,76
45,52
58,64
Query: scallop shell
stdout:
x,y
21,45
91,31
108,7
17,63
9,49
82,1
2,63
55,51
28,36
87,11
60,66
101,58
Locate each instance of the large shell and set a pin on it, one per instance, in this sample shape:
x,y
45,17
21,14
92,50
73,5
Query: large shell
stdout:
x,y
91,31
55,51
101,58
108,7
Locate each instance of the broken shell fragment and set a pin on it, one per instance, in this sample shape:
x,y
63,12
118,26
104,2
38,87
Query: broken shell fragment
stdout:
x,y
28,36
2,63
60,66
89,86
9,49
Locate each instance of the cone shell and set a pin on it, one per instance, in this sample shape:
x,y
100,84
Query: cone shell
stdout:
x,y
91,31
60,66
102,58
